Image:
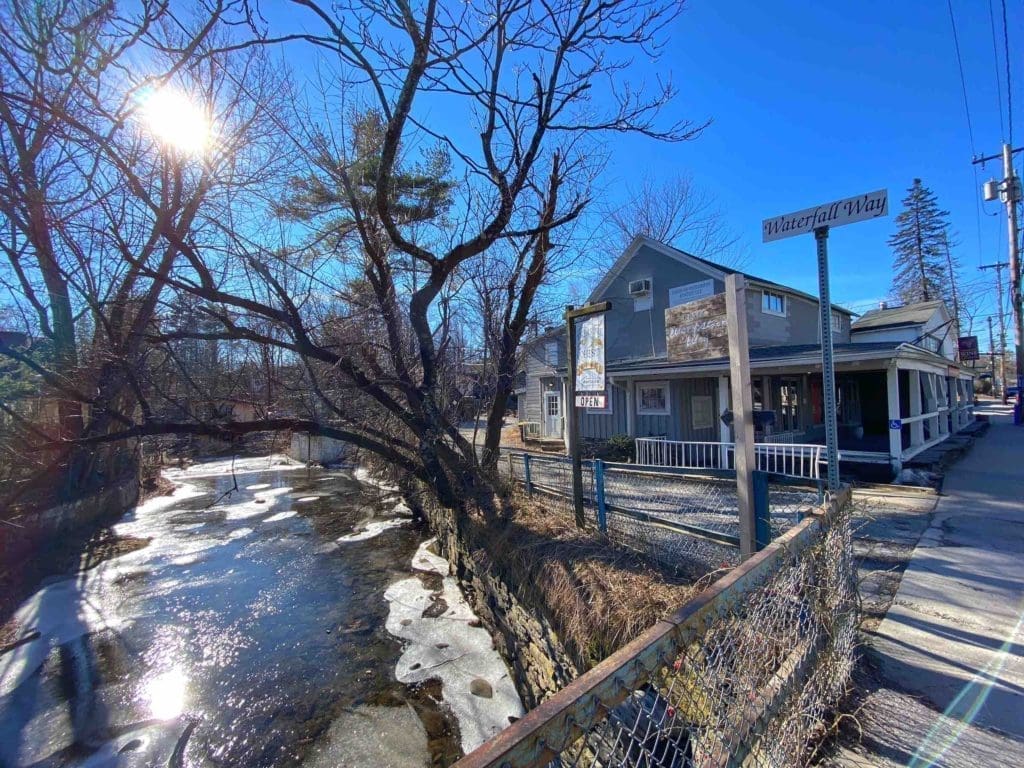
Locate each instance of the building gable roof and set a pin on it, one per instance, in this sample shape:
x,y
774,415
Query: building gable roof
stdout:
x,y
710,268
909,314
701,265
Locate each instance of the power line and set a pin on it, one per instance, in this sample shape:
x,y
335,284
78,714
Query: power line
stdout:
x,y
1009,91
995,58
970,127
963,80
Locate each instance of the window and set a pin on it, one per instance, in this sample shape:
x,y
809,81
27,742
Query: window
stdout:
x,y
551,353
607,404
773,303
837,322
703,411
789,405
652,398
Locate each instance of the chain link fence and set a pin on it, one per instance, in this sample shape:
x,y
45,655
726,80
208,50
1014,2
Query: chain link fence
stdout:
x,y
687,521
742,675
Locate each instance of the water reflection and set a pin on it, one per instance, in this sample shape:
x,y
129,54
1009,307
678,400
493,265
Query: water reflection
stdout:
x,y
243,634
165,694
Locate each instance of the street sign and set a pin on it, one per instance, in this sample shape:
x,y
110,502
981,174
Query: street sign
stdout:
x,y
968,347
820,220
591,401
895,423
590,354
871,205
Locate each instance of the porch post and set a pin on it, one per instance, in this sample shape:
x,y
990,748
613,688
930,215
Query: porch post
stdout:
x,y
565,421
941,401
630,408
724,436
892,381
917,427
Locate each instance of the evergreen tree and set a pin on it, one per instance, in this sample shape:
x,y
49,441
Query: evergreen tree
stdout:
x,y
921,268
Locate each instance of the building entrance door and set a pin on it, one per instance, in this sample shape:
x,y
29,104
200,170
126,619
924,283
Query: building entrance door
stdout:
x,y
552,414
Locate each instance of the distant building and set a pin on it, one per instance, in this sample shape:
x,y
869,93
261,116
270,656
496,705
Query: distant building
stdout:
x,y
926,324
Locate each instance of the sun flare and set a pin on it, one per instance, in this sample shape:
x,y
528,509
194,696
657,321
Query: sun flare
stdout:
x,y
165,694
176,120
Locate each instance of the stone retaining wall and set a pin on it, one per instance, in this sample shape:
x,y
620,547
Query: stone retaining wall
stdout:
x,y
31,532
528,643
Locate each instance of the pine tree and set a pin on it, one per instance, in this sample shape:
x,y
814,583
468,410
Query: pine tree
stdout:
x,y
921,268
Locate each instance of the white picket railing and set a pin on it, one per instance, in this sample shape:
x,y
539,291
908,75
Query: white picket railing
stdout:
x,y
792,459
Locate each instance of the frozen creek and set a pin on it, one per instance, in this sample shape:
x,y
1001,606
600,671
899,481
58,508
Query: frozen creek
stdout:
x,y
277,617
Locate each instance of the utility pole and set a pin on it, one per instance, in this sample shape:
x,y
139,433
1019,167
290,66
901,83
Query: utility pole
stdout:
x,y
992,357
999,266
1009,192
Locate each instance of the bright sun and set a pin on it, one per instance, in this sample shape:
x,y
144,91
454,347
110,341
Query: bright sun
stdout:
x,y
176,120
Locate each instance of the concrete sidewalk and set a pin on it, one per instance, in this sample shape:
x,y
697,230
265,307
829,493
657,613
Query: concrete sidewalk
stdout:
x,y
946,664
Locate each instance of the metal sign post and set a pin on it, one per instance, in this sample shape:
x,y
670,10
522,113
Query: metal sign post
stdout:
x,y
828,368
819,219
571,316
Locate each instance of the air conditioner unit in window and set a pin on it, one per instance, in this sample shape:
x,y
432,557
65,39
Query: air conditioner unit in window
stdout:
x,y
640,287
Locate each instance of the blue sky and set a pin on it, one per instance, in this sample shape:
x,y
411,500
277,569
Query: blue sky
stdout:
x,y
817,101
813,102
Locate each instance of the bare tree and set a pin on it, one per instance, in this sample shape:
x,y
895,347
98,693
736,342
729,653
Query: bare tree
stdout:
x,y
676,212
361,306
537,82
94,207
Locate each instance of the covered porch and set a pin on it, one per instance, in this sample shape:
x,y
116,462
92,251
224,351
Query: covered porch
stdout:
x,y
894,402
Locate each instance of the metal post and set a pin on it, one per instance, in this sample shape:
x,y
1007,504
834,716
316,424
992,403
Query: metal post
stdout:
x,y
572,422
762,511
527,479
1015,295
828,372
602,510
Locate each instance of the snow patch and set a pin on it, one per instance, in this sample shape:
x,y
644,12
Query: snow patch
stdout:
x,y
248,465
307,499
281,516
57,614
382,736
261,503
449,649
257,486
372,529
363,476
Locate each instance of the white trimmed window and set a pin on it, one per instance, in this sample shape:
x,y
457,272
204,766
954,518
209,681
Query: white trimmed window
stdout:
x,y
652,398
551,353
837,322
607,404
773,303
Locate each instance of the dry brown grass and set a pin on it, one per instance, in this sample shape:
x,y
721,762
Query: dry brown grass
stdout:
x,y
596,595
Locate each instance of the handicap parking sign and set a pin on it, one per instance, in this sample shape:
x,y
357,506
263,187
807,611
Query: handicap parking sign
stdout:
x,y
895,423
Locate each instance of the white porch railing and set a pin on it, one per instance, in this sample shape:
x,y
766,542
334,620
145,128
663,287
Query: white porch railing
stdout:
x,y
792,436
801,460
